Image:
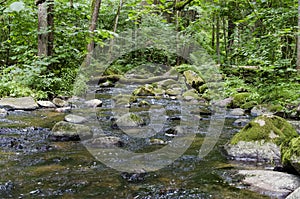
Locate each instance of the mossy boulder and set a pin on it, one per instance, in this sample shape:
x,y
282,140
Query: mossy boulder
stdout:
x,y
240,99
66,131
129,120
190,95
193,79
146,90
261,137
291,154
266,127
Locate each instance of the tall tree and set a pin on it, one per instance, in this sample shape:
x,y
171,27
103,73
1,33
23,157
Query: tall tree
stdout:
x,y
95,13
298,39
45,27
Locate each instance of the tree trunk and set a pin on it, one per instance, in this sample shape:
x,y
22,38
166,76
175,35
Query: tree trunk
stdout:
x,y
50,23
45,27
218,40
42,30
298,39
111,45
95,13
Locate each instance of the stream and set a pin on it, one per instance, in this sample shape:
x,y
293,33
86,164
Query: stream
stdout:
x,y
32,166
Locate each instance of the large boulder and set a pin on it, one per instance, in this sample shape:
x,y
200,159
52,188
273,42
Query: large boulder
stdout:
x,y
260,140
65,131
291,154
22,103
193,79
271,183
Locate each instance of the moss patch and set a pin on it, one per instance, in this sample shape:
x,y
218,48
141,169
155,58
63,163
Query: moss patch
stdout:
x,y
291,154
266,127
239,99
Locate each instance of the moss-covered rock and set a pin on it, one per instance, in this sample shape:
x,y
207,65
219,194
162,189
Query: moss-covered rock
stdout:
x,y
146,90
239,99
129,120
193,79
266,127
261,139
190,95
202,88
66,131
291,154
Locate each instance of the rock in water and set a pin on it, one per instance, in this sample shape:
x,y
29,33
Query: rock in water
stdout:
x,y
260,140
22,103
129,120
46,104
59,102
76,119
65,131
271,183
93,103
193,79
3,112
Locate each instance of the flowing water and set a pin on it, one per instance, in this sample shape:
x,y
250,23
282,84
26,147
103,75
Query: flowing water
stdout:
x,y
34,167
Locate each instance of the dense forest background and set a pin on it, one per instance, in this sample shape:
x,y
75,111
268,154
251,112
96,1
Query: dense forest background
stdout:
x,y
236,33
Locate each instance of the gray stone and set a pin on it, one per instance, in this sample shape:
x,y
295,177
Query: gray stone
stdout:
x,y
271,183
65,131
237,112
75,119
3,112
174,91
59,102
258,110
258,151
22,103
224,102
295,194
241,122
66,109
46,104
93,103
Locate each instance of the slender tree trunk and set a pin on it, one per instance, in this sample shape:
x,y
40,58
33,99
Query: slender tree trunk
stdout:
x,y
42,29
71,4
50,23
111,45
213,32
298,39
225,38
45,27
218,40
95,13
